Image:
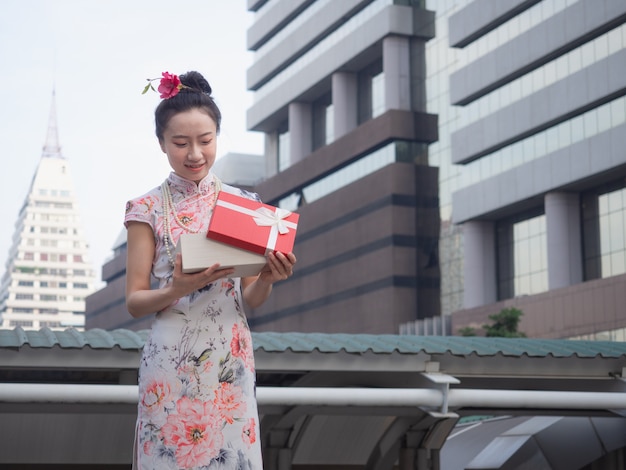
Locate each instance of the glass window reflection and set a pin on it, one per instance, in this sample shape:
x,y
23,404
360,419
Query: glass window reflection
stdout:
x,y
529,269
604,232
584,126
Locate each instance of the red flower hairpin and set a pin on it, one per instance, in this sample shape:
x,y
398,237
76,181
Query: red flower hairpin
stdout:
x,y
169,85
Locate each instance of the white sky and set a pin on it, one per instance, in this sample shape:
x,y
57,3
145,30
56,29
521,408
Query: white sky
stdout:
x,y
98,54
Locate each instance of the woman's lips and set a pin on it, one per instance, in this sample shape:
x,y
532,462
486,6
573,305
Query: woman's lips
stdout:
x,y
195,167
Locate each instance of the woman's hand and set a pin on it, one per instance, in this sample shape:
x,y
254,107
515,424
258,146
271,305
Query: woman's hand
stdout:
x,y
279,267
141,299
184,284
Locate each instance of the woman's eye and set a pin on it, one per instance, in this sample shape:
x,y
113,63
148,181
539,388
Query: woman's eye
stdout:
x,y
177,144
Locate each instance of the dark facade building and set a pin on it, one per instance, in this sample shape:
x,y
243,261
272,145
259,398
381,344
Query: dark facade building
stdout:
x,y
340,96
106,308
532,108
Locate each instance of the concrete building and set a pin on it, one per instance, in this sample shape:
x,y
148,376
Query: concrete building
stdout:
x,y
532,114
48,272
339,93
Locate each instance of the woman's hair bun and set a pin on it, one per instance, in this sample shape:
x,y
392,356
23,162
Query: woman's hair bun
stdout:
x,y
196,81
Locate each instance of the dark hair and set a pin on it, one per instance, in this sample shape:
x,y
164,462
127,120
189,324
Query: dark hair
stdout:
x,y
196,93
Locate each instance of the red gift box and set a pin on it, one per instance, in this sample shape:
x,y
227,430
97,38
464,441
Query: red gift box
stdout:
x,y
252,225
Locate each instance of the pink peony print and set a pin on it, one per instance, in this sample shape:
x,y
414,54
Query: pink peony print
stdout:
x,y
148,447
195,432
229,286
159,395
241,345
229,401
249,432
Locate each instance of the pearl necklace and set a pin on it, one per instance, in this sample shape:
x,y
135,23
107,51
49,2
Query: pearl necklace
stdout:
x,y
169,208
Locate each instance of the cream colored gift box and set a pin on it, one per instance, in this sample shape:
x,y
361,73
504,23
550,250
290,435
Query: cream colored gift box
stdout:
x,y
199,252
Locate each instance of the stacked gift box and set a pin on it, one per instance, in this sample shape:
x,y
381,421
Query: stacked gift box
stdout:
x,y
242,232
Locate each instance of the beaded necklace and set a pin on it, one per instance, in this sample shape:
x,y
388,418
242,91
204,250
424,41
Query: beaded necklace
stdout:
x,y
169,208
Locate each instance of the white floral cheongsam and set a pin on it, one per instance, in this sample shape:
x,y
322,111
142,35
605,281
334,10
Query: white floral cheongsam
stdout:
x,y
197,406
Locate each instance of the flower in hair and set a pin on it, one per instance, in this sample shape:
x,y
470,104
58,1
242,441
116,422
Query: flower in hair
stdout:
x,y
169,85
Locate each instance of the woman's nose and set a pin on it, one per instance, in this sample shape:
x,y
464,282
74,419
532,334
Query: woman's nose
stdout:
x,y
194,153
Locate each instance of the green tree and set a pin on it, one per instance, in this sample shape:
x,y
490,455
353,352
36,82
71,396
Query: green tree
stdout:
x,y
505,324
467,331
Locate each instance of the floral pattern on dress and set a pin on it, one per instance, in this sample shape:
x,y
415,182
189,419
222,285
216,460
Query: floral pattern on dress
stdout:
x,y
197,407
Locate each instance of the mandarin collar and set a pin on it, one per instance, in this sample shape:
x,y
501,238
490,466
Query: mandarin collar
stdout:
x,y
189,187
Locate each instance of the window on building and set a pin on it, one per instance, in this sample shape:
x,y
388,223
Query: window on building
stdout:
x,y
604,231
26,283
80,285
390,153
24,269
22,323
48,297
370,92
22,296
522,255
284,154
43,256
78,258
29,256
378,95
22,310
323,121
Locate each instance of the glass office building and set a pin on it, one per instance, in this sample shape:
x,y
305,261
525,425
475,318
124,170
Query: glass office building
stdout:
x,y
532,112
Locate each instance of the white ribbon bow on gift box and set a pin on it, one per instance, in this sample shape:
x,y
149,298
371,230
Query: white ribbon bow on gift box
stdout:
x,y
265,217
273,218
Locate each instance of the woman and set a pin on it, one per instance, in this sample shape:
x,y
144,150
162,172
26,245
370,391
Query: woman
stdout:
x,y
197,406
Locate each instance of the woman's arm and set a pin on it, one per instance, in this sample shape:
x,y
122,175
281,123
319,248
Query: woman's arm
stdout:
x,y
257,289
141,300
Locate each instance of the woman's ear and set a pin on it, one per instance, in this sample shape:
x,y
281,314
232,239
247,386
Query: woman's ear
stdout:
x,y
162,145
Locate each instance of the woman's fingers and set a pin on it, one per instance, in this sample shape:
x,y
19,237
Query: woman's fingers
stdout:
x,y
281,264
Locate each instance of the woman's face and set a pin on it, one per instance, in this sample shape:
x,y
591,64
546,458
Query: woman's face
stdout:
x,y
190,142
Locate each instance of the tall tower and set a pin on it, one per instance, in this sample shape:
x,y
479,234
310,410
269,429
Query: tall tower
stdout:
x,y
48,273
